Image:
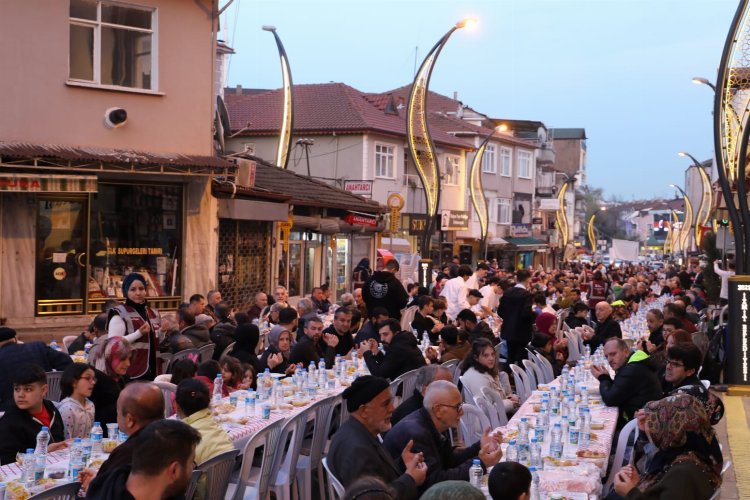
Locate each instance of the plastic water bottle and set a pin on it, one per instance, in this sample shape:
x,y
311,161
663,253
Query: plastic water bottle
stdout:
x,y
523,442
584,395
535,454
75,464
511,453
87,348
584,436
218,384
535,493
312,369
29,467
54,345
415,333
86,447
42,440
556,445
475,474
97,433
337,365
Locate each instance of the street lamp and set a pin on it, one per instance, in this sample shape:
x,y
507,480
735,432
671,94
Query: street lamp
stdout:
x,y
699,80
687,221
561,215
591,230
421,147
476,190
704,210
287,112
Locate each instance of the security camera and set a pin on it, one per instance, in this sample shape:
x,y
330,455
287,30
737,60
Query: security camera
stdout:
x,y
115,117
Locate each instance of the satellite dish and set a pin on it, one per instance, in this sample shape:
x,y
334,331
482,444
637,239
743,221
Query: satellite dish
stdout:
x,y
219,132
221,109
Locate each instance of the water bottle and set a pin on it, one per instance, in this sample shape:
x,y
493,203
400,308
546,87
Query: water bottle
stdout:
x,y
415,333
337,365
523,442
534,483
54,345
584,395
218,383
555,447
29,467
42,440
75,464
564,408
535,454
584,436
97,433
475,474
86,447
250,404
312,369
121,437
573,433
541,426
511,453
87,348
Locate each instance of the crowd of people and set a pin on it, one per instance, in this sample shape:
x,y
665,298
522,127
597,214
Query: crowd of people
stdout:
x,y
471,316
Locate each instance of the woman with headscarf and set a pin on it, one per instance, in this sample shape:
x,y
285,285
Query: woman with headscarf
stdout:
x,y
111,367
138,324
361,273
276,357
687,463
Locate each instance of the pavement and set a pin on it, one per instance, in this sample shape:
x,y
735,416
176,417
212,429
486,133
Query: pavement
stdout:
x,y
733,432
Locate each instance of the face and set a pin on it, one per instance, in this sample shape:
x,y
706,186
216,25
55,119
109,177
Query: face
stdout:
x,y
386,335
226,373
342,323
671,340
653,322
428,308
29,396
85,384
285,341
487,358
122,368
137,292
318,294
377,413
197,306
248,378
358,296
668,329
314,330
676,372
603,311
261,300
448,408
279,295
472,300
615,356
215,298
180,477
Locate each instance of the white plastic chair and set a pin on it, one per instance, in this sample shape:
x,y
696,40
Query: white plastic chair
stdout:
x,y
67,491
491,412
496,400
67,340
284,468
472,424
546,366
454,368
184,354
54,391
307,464
167,389
408,383
254,482
573,353
217,471
533,372
522,383
227,350
335,488
206,352
630,429
194,478
466,393
706,383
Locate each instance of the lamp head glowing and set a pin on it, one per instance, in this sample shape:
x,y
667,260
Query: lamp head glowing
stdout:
x,y
267,27
468,23
503,127
699,80
673,186
603,209
682,153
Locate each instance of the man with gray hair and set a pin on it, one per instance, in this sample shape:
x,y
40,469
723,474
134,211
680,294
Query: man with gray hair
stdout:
x,y
347,300
606,327
425,376
441,410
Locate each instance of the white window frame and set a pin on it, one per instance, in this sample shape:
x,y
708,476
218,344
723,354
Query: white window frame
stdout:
x,y
524,158
97,56
489,160
453,178
387,152
503,202
506,168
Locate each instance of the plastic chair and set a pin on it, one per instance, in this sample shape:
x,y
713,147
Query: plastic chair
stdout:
x,y
227,350
492,412
408,383
496,399
206,352
573,353
533,372
706,383
166,359
217,471
454,367
547,370
167,389
184,354
335,488
164,377
466,393
284,468
67,491
500,349
257,479
472,424
522,383
306,464
54,392
190,492
67,340
630,429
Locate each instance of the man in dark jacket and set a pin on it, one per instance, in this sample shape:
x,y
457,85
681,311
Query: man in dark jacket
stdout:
x,y
96,329
370,329
13,356
427,428
311,348
383,289
401,352
606,327
518,317
223,332
356,450
635,383
426,375
198,335
341,328
162,466
467,321
23,420
683,362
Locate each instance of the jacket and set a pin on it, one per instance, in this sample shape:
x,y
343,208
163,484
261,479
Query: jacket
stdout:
x,y
306,351
407,407
354,440
18,430
122,455
483,331
458,351
383,289
198,335
518,318
13,356
77,419
605,330
424,324
684,480
368,331
110,486
263,361
444,462
346,341
104,396
214,440
223,334
635,384
401,355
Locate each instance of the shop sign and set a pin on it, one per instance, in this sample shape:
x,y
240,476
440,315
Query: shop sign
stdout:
x,y
361,188
59,273
417,224
359,220
519,230
285,228
395,204
454,220
537,221
48,183
134,251
738,366
549,204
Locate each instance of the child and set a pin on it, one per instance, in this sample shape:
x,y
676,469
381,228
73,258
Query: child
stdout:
x,y
76,409
207,372
182,369
23,421
231,373
249,378
509,481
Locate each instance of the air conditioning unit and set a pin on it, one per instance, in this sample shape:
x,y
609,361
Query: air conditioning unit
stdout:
x,y
245,173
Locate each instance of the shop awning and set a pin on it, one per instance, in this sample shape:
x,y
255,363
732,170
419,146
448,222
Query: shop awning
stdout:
x,y
497,241
322,225
398,245
32,183
526,242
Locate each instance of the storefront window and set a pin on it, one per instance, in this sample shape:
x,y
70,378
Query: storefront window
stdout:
x,y
342,264
135,228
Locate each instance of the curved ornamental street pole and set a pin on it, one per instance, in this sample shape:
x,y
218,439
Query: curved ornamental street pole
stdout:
x,y
561,217
287,111
687,222
476,190
704,210
592,231
421,147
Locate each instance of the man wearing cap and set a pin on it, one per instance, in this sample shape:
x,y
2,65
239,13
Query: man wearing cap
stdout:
x,y
356,450
14,355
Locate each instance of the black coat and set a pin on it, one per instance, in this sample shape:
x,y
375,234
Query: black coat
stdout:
x,y
407,407
306,351
383,289
13,356
635,384
263,361
346,341
198,335
104,396
518,317
122,455
605,330
401,355
354,440
18,430
110,485
444,463
223,334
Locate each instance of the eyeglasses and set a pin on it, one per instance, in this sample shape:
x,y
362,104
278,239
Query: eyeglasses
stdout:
x,y
457,407
676,364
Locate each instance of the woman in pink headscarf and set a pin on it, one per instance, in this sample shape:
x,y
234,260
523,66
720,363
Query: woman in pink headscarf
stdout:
x,y
110,367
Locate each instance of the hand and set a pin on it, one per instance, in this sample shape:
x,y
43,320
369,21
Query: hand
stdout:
x,y
145,329
373,346
626,479
438,326
490,456
331,339
560,356
414,463
650,347
57,446
515,399
363,348
596,371
490,440
85,476
431,354
274,360
290,369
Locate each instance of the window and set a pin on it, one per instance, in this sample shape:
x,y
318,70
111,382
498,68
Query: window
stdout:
x,y
112,45
505,160
503,211
524,164
451,172
489,165
384,161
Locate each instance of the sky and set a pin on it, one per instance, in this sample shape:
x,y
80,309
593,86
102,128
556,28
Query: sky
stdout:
x,y
621,69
